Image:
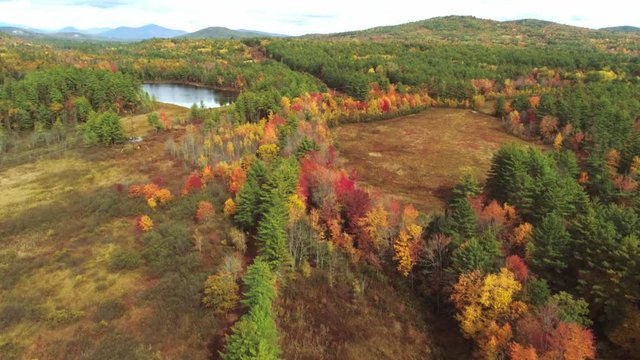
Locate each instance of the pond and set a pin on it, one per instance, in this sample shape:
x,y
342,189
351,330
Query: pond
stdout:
x,y
186,95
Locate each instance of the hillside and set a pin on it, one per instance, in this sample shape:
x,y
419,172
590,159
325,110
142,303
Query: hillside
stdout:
x,y
469,29
623,29
218,32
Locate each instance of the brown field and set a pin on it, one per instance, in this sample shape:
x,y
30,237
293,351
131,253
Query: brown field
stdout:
x,y
418,158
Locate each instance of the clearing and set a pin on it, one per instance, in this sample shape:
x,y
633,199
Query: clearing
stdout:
x,y
419,158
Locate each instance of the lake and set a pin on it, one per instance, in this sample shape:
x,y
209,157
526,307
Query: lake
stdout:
x,y
187,95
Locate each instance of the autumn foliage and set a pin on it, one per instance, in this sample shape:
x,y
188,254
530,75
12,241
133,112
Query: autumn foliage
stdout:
x,y
193,183
204,212
144,223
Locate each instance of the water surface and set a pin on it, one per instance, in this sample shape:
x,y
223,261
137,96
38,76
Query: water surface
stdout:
x,y
187,95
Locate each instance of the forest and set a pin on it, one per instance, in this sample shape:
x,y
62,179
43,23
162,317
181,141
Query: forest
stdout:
x,y
241,232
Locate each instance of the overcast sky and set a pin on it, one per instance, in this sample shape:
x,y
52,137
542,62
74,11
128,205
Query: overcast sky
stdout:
x,y
304,16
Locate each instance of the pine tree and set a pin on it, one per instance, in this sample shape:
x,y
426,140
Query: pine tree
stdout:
x,y
248,199
272,236
462,218
255,335
551,241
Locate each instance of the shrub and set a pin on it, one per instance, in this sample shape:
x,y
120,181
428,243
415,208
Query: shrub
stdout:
x,y
204,212
18,310
229,207
154,121
232,264
124,260
221,292
65,316
109,310
238,239
144,223
167,249
103,128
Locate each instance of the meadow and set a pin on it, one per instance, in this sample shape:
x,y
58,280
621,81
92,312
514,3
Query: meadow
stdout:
x,y
421,157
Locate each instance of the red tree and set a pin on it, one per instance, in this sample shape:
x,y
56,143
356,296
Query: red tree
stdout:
x,y
193,183
517,266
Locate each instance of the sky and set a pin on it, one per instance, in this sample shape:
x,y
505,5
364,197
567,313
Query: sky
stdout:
x,y
303,16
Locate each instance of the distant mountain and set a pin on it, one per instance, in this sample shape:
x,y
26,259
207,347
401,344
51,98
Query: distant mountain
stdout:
x,y
92,31
218,32
20,32
623,29
69,29
141,33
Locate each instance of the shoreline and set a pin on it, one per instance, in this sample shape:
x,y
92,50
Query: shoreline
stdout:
x,y
195,84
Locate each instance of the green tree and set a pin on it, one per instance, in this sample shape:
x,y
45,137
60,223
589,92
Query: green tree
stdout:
x,y
461,218
248,199
272,235
501,106
255,335
551,246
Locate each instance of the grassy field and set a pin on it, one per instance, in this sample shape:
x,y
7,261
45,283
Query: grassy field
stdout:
x,y
63,220
418,158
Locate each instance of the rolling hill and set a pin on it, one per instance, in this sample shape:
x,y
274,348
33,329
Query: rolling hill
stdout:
x,y
218,32
469,29
623,29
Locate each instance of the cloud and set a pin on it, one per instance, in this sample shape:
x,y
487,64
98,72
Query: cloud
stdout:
x,y
105,4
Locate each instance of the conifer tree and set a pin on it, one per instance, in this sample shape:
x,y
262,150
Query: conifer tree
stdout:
x,y
248,198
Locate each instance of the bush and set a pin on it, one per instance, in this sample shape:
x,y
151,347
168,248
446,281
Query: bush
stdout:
x,y
221,292
154,121
232,264
238,239
103,128
9,350
124,260
65,316
168,249
116,346
109,310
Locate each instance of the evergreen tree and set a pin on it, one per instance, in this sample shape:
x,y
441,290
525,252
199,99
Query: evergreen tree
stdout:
x,y
501,106
461,217
272,236
551,244
481,253
248,199
606,264
255,335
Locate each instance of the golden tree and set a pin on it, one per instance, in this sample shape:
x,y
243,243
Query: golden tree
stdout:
x,y
403,253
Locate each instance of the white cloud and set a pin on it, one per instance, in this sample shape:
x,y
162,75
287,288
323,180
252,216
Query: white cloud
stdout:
x,y
302,17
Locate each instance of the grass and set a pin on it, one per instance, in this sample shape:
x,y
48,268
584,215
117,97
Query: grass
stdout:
x,y
75,276
418,158
317,321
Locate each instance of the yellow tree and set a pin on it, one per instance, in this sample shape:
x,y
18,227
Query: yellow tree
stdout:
x,y
481,301
376,224
557,142
403,253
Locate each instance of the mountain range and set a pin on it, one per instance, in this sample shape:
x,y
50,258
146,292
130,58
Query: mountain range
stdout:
x,y
124,33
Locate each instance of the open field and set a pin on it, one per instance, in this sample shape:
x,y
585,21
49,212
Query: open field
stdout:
x,y
63,220
418,158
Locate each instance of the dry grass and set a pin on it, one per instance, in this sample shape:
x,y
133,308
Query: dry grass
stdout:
x,y
418,158
137,125
321,322
57,233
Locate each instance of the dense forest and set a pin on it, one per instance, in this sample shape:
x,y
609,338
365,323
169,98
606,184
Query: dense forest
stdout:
x,y
541,261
